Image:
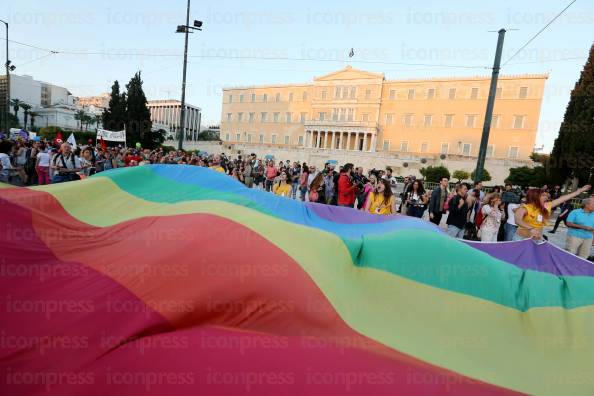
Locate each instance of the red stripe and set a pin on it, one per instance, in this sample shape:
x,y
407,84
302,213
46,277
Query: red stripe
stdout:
x,y
202,270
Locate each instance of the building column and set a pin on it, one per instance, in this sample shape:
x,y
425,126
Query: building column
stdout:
x,y
365,141
373,142
333,144
319,139
348,146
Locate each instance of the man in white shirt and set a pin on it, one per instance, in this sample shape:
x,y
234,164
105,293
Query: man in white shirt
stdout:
x,y
65,165
510,226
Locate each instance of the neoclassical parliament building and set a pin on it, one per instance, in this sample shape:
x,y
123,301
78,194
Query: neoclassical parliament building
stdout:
x,y
357,111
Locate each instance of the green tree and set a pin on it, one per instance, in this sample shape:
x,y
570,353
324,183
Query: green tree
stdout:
x,y
16,105
26,107
572,152
138,116
485,176
461,175
435,173
209,135
527,177
33,115
114,117
80,116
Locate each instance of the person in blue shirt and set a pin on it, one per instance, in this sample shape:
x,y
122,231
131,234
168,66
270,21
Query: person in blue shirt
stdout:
x,y
581,227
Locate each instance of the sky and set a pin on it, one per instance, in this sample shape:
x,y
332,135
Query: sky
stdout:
x,y
102,41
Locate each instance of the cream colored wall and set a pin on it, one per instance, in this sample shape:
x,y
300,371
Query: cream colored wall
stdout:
x,y
379,105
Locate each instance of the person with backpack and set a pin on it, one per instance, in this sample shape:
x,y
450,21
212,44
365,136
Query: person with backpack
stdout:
x,y
65,165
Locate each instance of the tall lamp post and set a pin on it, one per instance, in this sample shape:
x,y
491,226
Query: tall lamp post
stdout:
x,y
186,29
8,69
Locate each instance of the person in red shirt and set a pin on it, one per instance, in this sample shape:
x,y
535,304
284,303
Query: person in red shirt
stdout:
x,y
132,158
347,191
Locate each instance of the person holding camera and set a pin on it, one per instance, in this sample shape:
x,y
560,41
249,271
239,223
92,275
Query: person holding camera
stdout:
x,y
65,165
416,199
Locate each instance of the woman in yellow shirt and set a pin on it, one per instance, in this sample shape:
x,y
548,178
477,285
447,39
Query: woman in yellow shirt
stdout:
x,y
532,216
282,188
381,200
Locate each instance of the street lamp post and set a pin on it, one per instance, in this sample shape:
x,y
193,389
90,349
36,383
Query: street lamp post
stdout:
x,y
186,30
6,110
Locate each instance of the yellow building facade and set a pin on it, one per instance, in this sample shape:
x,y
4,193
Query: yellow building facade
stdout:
x,y
355,110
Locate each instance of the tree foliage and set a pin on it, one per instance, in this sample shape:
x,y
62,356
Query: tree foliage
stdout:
x,y
572,154
461,175
209,135
485,177
114,116
138,116
435,173
527,177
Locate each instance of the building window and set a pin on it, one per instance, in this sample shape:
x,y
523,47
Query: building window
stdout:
x,y
411,94
227,137
291,97
304,96
474,93
389,119
277,98
404,146
431,93
386,145
230,98
466,149
324,95
241,98
365,117
265,98
321,116
428,120
288,117
490,150
498,93
495,121
353,92
407,120
367,94
519,121
263,116
249,138
345,92
392,94
300,141
261,138
238,137
273,139
523,92
302,119
452,93
251,119
239,117
513,152
449,121
275,117
350,114
470,120
337,91
445,148
286,139
229,117
335,114
424,147
253,98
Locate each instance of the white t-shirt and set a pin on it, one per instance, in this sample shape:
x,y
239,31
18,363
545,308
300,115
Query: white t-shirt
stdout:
x,y
44,158
510,213
5,161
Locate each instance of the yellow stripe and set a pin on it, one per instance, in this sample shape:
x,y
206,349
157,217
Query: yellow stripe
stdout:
x,y
542,351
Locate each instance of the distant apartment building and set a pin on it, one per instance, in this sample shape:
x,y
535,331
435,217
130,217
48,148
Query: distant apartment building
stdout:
x,y
167,113
355,110
99,101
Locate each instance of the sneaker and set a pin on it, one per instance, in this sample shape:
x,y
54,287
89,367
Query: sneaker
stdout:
x,y
551,232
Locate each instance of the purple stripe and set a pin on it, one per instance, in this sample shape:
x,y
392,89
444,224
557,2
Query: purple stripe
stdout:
x,y
543,257
344,215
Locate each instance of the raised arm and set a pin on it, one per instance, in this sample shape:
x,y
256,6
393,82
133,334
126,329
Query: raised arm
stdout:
x,y
567,197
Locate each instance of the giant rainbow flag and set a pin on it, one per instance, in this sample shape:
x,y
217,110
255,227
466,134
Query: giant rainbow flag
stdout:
x,y
177,280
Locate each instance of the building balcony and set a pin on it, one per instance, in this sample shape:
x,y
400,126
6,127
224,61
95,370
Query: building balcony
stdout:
x,y
337,125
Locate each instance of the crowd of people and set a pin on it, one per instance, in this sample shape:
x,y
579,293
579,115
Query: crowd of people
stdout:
x,y
500,214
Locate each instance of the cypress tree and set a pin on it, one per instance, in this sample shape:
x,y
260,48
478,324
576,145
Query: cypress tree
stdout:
x,y
138,115
573,152
114,116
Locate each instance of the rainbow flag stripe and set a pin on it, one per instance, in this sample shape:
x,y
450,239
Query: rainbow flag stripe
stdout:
x,y
178,280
